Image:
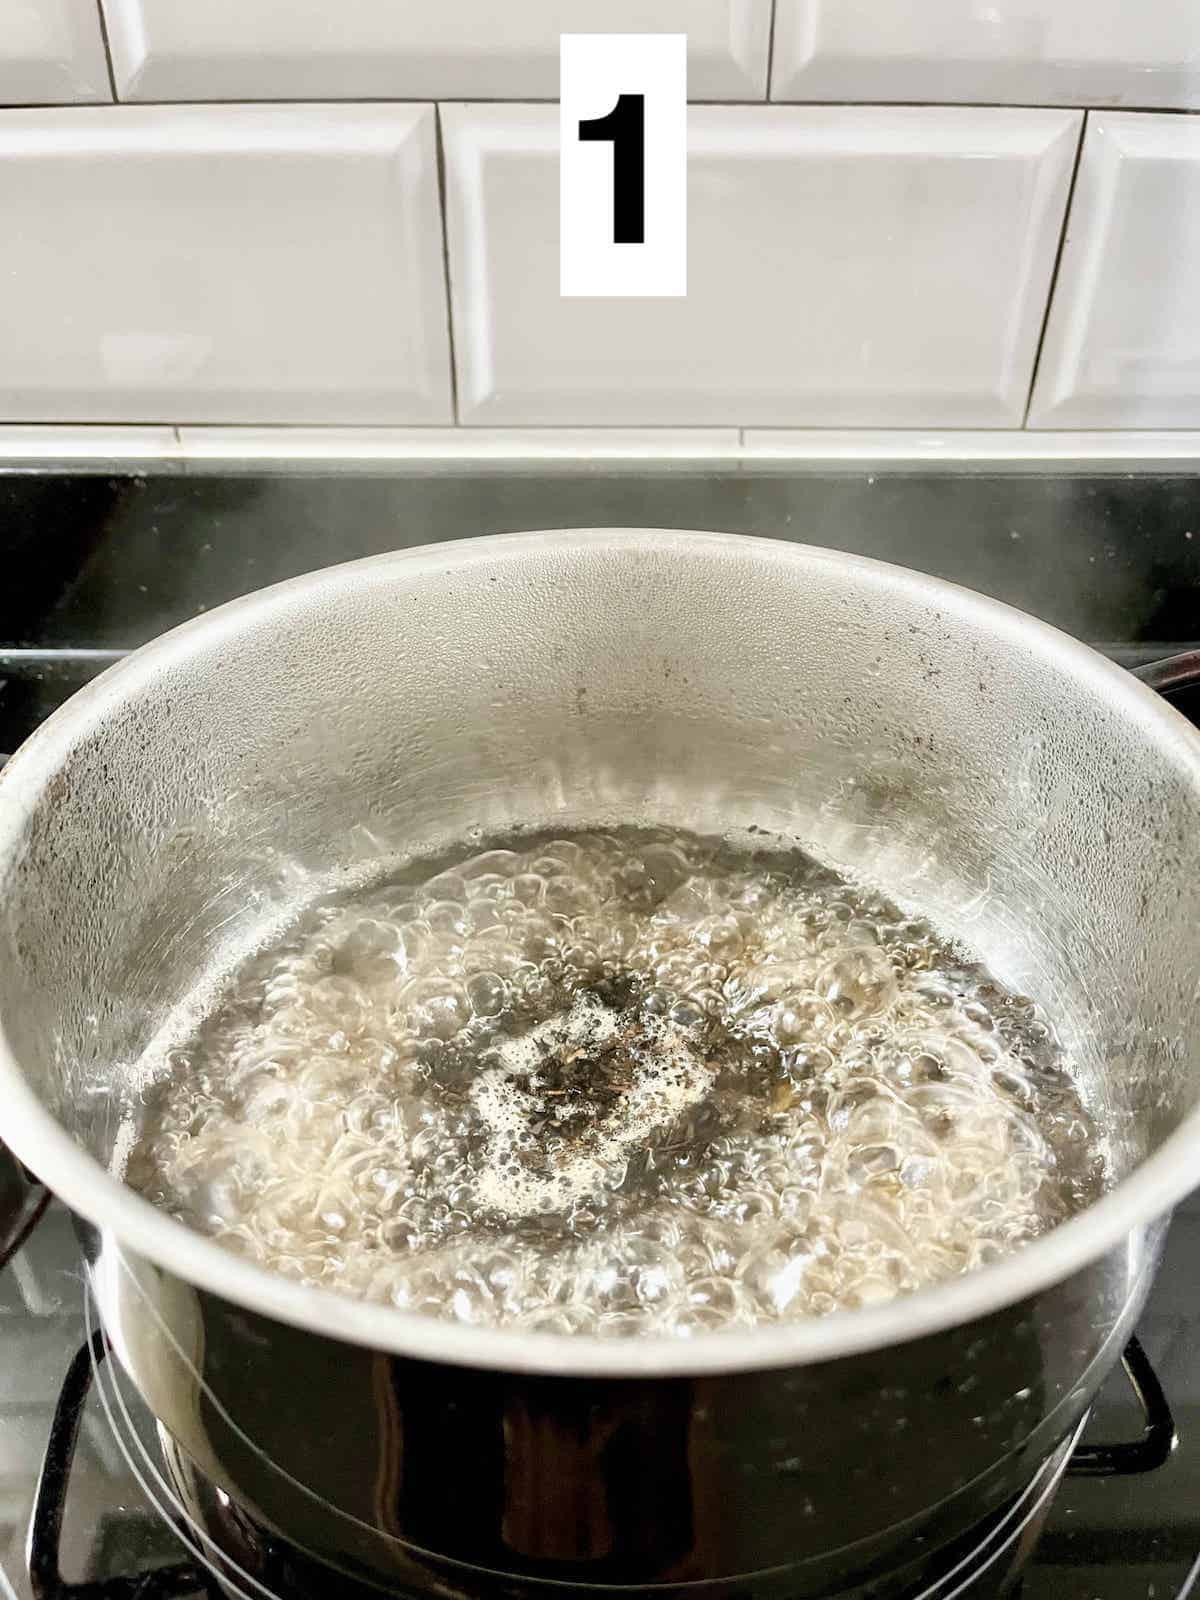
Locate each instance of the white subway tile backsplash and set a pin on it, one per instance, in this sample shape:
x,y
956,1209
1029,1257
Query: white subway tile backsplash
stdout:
x,y
1122,346
224,264
399,49
51,53
1022,52
847,266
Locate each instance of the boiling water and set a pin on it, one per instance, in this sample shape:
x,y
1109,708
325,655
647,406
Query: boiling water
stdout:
x,y
619,1083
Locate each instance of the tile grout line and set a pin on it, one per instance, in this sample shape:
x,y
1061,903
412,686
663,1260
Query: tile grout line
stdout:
x,y
771,52
1058,257
348,429
112,76
456,420
732,102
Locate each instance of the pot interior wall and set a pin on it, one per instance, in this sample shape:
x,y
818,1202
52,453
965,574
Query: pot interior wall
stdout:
x,y
1040,809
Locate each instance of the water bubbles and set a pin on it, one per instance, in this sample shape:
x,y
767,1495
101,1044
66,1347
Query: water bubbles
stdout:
x,y
557,1319
802,1019
926,1065
773,1273
777,1097
917,1171
723,1298
871,1161
446,888
342,1005
720,936
859,982
873,1291
687,1014
438,1008
664,868
747,1208
796,1204
806,1062
447,917
495,865
487,993
370,951
529,889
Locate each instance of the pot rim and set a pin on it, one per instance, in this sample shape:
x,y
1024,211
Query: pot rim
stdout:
x,y
38,1140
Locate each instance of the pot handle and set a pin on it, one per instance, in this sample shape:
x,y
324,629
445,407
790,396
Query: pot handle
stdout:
x,y
1172,672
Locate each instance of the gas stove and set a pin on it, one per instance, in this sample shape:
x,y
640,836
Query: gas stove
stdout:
x,y
94,1505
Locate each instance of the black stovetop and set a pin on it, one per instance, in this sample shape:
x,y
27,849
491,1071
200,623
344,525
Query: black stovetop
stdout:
x,y
95,564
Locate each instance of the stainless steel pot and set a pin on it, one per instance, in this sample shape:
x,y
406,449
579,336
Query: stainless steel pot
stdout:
x,y
1037,801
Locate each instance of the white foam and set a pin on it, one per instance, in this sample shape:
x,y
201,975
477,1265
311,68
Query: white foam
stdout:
x,y
666,1077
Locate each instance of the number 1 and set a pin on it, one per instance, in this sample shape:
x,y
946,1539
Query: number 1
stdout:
x,y
625,125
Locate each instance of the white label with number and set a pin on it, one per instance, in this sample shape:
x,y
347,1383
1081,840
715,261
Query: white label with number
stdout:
x,y
623,164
